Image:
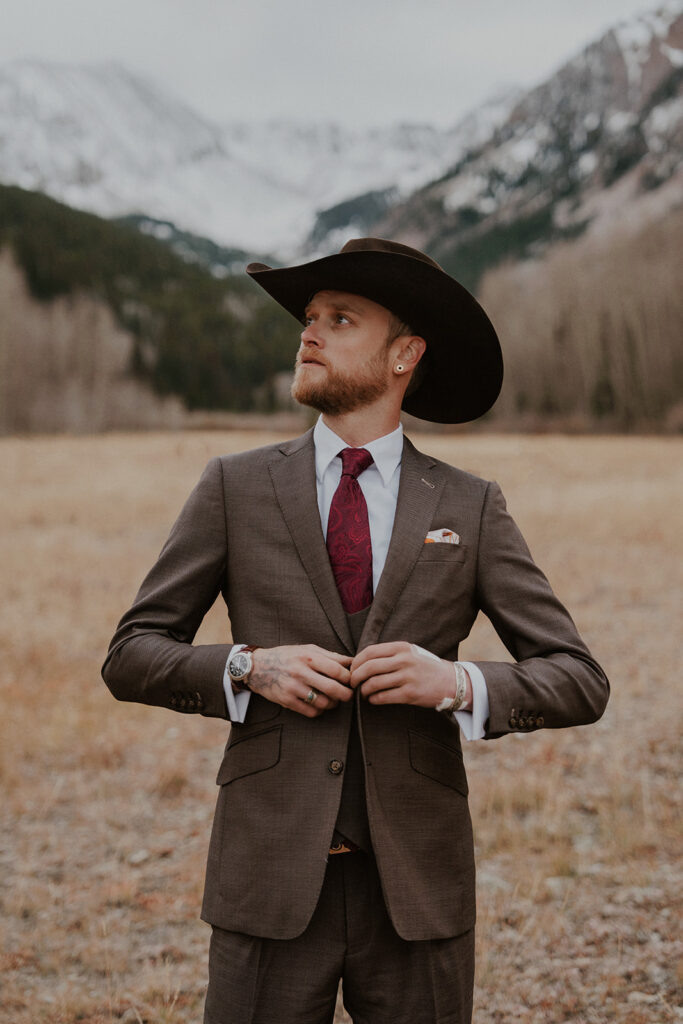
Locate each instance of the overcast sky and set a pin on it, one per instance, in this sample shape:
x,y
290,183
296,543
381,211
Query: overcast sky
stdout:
x,y
357,61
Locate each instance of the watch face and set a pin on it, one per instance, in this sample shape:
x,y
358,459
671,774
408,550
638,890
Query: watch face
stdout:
x,y
239,665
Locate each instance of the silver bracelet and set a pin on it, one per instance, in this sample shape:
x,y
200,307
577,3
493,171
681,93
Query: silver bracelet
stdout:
x,y
451,704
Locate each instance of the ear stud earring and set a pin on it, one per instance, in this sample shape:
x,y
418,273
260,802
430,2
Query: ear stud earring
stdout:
x,y
399,367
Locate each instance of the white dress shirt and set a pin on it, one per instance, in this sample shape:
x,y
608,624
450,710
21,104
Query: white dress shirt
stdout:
x,y
379,484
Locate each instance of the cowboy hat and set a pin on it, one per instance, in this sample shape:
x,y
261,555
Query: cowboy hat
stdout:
x,y
463,364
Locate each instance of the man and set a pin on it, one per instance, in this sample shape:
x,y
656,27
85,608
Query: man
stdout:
x,y
352,566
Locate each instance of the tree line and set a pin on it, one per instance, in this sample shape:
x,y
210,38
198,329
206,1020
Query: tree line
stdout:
x,y
590,332
212,342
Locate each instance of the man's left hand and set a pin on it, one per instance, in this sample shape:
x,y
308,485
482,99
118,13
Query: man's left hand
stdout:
x,y
400,673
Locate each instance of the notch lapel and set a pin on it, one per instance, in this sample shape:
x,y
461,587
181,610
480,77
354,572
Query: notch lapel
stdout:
x,y
293,476
419,491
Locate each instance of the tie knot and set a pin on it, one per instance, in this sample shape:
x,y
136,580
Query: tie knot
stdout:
x,y
354,461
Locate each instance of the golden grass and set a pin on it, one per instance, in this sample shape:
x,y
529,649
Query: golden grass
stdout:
x,y
106,808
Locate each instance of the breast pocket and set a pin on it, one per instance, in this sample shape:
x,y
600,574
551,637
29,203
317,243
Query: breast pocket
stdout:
x,y
251,753
446,553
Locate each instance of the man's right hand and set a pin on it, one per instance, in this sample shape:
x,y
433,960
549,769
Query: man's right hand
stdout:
x,y
289,675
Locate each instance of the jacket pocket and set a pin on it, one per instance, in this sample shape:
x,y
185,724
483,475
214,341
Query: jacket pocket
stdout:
x,y
443,553
437,761
260,710
249,754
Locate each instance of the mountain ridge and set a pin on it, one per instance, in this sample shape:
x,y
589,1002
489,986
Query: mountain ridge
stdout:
x,y
612,110
103,139
111,142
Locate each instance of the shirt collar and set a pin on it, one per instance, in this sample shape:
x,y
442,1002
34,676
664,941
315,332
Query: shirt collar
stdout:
x,y
386,451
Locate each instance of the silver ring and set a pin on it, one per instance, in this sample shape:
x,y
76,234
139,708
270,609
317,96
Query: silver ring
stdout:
x,y
310,697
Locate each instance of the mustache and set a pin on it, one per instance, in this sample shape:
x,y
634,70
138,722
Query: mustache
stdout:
x,y
299,361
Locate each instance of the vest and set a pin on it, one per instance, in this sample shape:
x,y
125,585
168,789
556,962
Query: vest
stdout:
x,y
352,820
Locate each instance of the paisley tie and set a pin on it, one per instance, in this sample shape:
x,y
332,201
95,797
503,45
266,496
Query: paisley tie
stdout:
x,y
348,534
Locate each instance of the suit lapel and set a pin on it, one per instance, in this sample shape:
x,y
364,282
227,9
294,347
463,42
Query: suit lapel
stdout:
x,y
293,476
418,495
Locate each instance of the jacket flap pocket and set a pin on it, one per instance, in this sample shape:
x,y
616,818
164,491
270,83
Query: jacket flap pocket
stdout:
x,y
250,754
437,761
443,553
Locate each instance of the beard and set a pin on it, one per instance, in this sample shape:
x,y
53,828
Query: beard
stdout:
x,y
337,392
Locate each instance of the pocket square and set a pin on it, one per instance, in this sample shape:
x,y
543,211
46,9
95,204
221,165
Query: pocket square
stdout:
x,y
443,536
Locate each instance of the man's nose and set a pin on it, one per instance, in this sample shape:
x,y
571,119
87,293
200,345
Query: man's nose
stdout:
x,y
309,336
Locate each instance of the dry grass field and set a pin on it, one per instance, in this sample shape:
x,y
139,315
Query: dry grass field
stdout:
x,y
106,808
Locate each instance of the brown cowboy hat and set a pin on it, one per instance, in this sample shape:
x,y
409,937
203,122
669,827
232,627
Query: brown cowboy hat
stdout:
x,y
463,364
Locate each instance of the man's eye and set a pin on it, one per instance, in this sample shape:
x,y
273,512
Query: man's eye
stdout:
x,y
342,319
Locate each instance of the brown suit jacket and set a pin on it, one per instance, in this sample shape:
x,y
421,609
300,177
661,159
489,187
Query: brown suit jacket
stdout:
x,y
251,531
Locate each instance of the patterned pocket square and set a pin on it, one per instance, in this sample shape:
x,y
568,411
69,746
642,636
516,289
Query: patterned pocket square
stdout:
x,y
442,537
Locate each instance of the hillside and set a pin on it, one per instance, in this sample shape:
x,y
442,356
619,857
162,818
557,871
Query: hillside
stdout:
x,y
592,332
131,311
558,163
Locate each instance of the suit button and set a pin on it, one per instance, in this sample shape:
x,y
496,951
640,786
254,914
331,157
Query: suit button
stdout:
x,y
335,767
512,722
540,722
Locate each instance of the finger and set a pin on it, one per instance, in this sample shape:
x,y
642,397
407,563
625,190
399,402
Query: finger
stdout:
x,y
307,710
385,650
315,707
330,664
375,667
332,690
333,670
381,683
319,700
396,695
341,659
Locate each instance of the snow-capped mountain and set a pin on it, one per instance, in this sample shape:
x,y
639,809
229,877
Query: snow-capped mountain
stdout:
x,y
587,144
105,140
529,166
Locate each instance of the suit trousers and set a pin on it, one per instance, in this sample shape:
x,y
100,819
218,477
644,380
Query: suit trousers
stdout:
x,y
385,980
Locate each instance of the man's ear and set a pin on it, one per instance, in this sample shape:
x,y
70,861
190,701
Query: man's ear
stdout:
x,y
411,350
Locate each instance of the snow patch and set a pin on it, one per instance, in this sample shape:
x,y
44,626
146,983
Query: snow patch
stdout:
x,y
637,36
662,122
675,56
465,190
587,163
620,121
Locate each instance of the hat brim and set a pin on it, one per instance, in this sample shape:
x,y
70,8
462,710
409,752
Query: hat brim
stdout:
x,y
463,370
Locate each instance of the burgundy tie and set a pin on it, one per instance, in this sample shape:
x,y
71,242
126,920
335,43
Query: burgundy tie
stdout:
x,y
348,534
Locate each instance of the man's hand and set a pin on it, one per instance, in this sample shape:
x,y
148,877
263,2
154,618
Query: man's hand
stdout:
x,y
288,675
400,673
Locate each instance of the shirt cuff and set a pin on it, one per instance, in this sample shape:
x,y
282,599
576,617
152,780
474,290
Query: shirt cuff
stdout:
x,y
237,702
472,721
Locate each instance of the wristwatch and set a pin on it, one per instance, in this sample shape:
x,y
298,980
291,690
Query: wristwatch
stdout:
x,y
240,664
